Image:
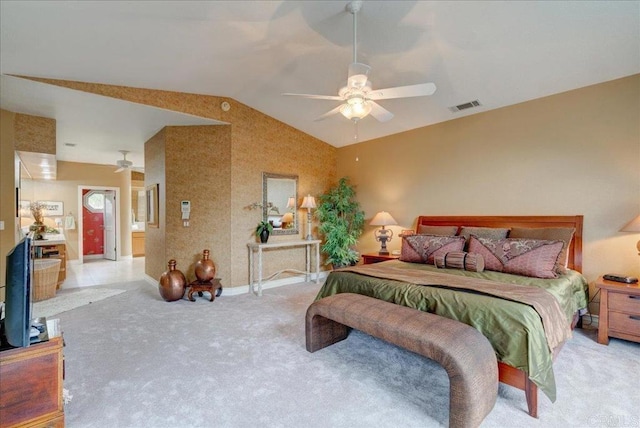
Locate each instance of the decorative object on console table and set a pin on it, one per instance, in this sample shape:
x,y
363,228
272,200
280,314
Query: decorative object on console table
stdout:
x,y
172,283
633,226
263,230
368,259
619,311
205,269
38,227
383,235
309,202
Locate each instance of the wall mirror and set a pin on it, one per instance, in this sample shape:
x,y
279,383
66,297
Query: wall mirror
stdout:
x,y
279,202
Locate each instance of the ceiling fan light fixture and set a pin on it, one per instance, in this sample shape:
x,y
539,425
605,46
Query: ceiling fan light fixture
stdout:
x,y
356,111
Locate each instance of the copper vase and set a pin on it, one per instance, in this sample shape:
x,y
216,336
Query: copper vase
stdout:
x,y
172,283
205,269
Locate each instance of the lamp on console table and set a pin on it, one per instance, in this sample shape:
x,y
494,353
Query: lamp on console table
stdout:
x,y
633,226
309,202
383,235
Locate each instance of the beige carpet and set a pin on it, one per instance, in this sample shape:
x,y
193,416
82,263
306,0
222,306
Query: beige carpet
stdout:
x,y
136,361
70,299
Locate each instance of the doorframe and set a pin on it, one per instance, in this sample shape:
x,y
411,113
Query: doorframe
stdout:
x,y
116,216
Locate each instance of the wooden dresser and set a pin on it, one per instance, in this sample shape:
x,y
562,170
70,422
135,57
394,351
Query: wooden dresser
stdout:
x,y
31,385
619,311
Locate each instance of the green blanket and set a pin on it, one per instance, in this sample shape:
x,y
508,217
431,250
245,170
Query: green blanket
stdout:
x,y
514,329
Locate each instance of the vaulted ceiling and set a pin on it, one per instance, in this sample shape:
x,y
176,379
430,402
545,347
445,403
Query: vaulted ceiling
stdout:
x,y
500,53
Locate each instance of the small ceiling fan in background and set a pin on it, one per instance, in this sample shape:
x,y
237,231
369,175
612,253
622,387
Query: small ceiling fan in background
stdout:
x,y
124,164
359,99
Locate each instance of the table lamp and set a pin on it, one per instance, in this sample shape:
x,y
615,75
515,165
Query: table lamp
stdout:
x,y
287,219
309,202
633,226
383,235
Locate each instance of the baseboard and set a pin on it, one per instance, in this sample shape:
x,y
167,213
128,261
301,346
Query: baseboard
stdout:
x,y
244,289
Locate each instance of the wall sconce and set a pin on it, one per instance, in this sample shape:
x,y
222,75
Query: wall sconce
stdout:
x,y
383,235
309,202
633,226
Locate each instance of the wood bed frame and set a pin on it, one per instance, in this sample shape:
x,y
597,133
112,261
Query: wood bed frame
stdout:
x,y
508,374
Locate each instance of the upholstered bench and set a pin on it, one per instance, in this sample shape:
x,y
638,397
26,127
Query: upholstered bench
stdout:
x,y
464,352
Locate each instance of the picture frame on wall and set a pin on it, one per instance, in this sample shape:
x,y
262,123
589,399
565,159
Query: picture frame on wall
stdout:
x,y
53,208
153,206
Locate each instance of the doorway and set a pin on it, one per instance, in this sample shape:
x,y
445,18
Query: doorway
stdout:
x,y
98,228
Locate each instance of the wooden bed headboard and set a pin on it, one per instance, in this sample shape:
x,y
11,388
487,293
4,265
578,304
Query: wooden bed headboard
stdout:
x,y
575,221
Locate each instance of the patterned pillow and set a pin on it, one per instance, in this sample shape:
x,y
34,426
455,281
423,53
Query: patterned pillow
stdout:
x,y
484,232
460,260
528,257
564,234
423,248
437,230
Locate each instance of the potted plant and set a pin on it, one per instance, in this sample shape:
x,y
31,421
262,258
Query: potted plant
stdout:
x,y
263,230
341,223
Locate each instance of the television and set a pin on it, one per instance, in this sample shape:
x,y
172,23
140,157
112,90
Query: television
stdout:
x,y
17,307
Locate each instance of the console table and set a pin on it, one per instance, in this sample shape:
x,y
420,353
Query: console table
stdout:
x,y
255,247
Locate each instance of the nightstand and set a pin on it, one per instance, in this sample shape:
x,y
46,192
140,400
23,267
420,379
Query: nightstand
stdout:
x,y
368,259
619,311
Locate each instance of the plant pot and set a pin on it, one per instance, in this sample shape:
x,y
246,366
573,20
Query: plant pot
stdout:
x,y
264,236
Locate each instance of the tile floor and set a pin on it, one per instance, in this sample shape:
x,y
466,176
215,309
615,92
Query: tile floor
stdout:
x,y
101,271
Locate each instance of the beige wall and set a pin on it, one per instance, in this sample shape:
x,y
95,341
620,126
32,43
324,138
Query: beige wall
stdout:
x,y
70,175
572,153
7,191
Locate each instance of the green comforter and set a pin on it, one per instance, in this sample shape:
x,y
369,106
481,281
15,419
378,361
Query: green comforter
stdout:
x,y
514,329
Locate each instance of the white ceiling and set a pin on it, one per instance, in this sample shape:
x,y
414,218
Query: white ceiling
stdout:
x,y
500,53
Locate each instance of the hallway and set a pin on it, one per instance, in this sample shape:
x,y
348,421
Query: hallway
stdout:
x,y
101,271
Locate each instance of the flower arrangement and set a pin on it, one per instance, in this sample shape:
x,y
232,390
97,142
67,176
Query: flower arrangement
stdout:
x,y
37,211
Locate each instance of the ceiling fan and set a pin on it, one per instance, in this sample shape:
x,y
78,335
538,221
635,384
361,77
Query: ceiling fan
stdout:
x,y
359,99
124,164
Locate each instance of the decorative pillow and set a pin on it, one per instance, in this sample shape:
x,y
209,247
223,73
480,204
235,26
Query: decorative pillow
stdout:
x,y
528,257
484,232
564,234
460,260
423,248
437,230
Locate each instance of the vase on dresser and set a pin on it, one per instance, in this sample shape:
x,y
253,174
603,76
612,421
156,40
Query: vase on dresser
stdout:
x,y
172,284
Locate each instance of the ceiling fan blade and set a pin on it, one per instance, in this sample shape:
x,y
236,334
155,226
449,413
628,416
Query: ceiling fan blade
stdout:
x,y
380,113
119,169
329,113
316,97
419,90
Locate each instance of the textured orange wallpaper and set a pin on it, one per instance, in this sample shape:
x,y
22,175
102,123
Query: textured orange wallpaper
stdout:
x,y
35,134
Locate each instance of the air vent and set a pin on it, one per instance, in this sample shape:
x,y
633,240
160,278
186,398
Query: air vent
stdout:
x,y
464,106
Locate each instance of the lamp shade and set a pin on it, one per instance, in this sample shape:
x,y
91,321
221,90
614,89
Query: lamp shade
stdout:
x,y
383,218
632,226
291,203
308,202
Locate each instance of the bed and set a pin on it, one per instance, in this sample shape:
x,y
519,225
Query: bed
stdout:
x,y
525,333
